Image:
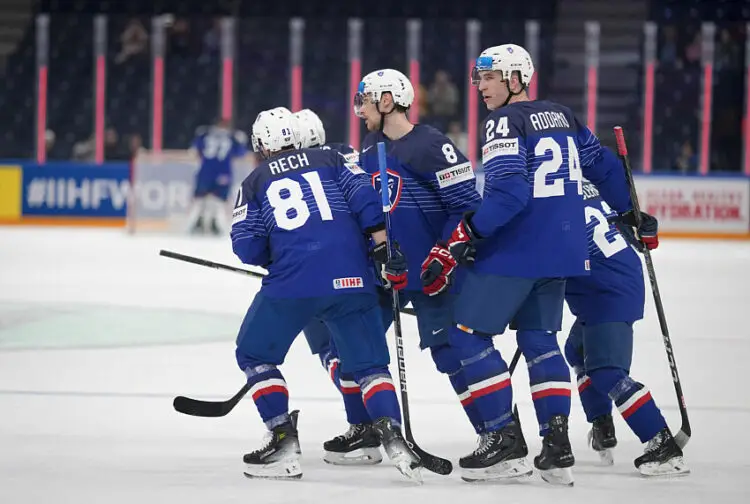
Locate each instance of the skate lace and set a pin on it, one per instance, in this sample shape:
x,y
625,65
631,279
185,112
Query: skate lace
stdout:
x,y
484,443
354,431
266,443
653,444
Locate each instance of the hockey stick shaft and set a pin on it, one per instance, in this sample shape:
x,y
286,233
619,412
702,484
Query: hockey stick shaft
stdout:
x,y
683,436
226,267
429,461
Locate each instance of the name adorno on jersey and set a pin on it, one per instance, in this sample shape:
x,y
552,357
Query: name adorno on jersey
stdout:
x,y
239,214
499,147
348,283
454,175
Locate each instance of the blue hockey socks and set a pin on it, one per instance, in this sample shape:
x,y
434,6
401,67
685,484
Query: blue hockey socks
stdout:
x,y
356,413
379,394
549,376
268,390
594,402
632,399
487,379
447,361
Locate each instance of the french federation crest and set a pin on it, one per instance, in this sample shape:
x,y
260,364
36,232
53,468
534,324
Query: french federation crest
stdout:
x,y
395,184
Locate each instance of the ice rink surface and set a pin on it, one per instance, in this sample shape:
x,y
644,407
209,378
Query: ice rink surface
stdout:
x,y
98,334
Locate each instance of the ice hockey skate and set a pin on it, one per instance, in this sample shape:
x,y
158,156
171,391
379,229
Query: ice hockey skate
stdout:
x,y
279,457
602,439
360,445
500,455
662,457
398,450
556,459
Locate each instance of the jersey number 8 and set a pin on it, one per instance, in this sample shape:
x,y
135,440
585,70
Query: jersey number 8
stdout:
x,y
294,201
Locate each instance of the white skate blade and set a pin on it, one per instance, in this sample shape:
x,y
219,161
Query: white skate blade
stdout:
x,y
281,470
558,476
359,457
413,474
507,470
606,457
673,467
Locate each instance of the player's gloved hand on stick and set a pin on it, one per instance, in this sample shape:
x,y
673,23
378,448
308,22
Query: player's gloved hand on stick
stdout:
x,y
648,231
437,269
394,271
463,240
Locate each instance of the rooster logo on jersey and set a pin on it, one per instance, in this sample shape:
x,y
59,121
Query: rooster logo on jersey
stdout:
x,y
394,187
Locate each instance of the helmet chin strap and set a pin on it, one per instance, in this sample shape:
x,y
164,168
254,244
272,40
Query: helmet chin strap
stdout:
x,y
511,94
382,116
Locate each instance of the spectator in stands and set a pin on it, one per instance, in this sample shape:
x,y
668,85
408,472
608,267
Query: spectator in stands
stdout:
x,y
687,160
114,149
179,38
211,43
134,40
443,100
668,53
458,136
135,145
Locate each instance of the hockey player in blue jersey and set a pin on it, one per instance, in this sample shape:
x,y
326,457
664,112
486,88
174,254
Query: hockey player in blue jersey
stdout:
x,y
313,134
600,344
431,185
527,236
217,147
303,214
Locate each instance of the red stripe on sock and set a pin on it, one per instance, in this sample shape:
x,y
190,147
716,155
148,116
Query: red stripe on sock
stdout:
x,y
640,402
583,386
350,390
467,401
490,389
270,390
334,366
378,388
550,392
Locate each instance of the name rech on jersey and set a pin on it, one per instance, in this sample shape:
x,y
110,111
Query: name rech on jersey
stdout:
x,y
454,174
500,147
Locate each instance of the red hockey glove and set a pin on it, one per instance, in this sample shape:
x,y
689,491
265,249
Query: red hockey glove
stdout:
x,y
436,270
393,271
463,240
648,231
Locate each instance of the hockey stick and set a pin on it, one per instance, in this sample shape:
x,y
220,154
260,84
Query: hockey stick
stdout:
x,y
683,436
430,462
195,407
226,267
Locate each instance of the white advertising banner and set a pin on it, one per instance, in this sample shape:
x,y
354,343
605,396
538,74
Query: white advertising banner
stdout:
x,y
700,206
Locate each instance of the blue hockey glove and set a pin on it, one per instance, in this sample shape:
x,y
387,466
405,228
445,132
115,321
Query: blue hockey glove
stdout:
x,y
463,240
648,232
393,272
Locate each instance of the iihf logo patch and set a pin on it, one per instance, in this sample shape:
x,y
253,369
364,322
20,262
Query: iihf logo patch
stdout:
x,y
395,185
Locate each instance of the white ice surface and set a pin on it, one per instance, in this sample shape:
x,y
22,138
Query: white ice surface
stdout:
x,y
98,334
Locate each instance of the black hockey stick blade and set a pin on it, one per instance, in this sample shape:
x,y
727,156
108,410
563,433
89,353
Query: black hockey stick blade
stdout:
x,y
431,462
683,436
196,407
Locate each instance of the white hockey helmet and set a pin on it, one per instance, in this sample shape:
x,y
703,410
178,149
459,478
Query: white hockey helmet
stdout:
x,y
387,80
311,130
506,59
274,130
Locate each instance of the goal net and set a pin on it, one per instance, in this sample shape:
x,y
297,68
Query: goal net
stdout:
x,y
162,185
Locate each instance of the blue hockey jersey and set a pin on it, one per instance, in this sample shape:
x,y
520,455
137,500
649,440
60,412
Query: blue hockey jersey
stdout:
x,y
350,153
615,290
217,148
430,183
304,215
535,154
